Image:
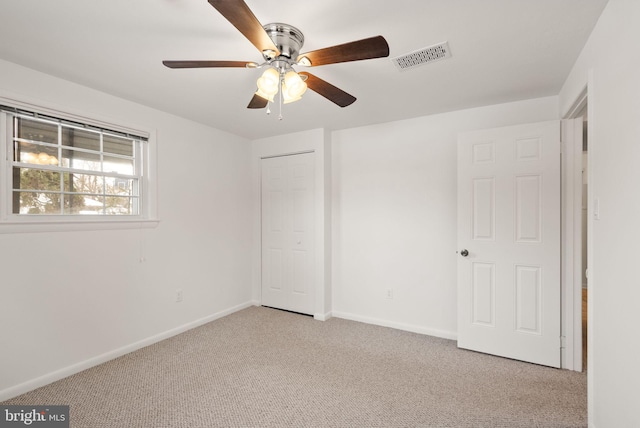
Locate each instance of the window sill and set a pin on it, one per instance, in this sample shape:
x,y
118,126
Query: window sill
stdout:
x,y
70,225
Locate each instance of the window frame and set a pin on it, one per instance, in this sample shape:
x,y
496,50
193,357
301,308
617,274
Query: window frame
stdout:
x,y
18,223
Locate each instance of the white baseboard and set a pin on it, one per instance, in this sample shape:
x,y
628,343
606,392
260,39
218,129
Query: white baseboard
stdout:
x,y
30,385
399,326
322,317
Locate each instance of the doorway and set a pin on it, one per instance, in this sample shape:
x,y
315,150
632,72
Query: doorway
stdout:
x,y
576,240
585,229
482,291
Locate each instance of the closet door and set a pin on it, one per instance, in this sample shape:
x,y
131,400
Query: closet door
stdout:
x,y
287,232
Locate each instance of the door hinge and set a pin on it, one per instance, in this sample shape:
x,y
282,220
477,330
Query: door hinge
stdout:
x,y
563,342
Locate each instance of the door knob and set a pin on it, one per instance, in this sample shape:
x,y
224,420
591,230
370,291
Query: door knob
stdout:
x,y
464,253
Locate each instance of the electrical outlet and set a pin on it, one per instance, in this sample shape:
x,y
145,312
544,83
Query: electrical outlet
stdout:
x,y
179,295
389,294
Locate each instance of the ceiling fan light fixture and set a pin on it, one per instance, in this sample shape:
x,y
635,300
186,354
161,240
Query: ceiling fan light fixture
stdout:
x,y
292,86
264,95
290,100
268,83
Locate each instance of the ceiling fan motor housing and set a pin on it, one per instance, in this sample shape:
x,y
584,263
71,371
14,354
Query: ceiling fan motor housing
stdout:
x,y
287,38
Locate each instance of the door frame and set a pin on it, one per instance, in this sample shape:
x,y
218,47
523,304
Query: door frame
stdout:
x,y
316,141
572,238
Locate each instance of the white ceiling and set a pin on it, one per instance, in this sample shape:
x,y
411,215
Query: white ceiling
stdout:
x,y
502,50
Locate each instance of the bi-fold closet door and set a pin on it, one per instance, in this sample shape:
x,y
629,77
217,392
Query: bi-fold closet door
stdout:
x,y
288,195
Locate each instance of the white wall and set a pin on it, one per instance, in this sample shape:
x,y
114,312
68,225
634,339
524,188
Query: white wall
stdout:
x,y
394,215
73,299
610,64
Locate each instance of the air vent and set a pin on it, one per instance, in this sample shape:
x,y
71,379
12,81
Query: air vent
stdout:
x,y
422,56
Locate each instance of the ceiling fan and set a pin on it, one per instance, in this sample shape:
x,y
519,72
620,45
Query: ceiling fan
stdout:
x,y
280,46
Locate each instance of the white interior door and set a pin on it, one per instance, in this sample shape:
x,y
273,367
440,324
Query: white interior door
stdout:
x,y
287,232
509,242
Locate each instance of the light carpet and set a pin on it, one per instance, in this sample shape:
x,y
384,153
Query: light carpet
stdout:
x,y
262,367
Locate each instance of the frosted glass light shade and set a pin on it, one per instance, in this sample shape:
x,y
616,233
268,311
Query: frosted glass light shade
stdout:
x,y
263,95
287,100
268,83
293,87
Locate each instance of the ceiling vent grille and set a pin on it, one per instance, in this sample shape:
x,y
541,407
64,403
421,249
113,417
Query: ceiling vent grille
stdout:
x,y
422,56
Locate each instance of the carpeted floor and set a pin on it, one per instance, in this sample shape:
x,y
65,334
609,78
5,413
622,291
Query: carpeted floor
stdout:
x,y
262,367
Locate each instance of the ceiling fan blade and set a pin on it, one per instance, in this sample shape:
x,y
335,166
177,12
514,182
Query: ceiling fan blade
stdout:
x,y
373,47
205,64
258,102
327,90
238,13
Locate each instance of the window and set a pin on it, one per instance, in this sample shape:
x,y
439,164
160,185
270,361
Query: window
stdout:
x,y
60,170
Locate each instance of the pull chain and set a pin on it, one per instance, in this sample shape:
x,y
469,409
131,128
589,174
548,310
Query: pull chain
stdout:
x,y
280,97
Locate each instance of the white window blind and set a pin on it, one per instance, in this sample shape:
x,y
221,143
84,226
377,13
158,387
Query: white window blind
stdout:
x,y
61,167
